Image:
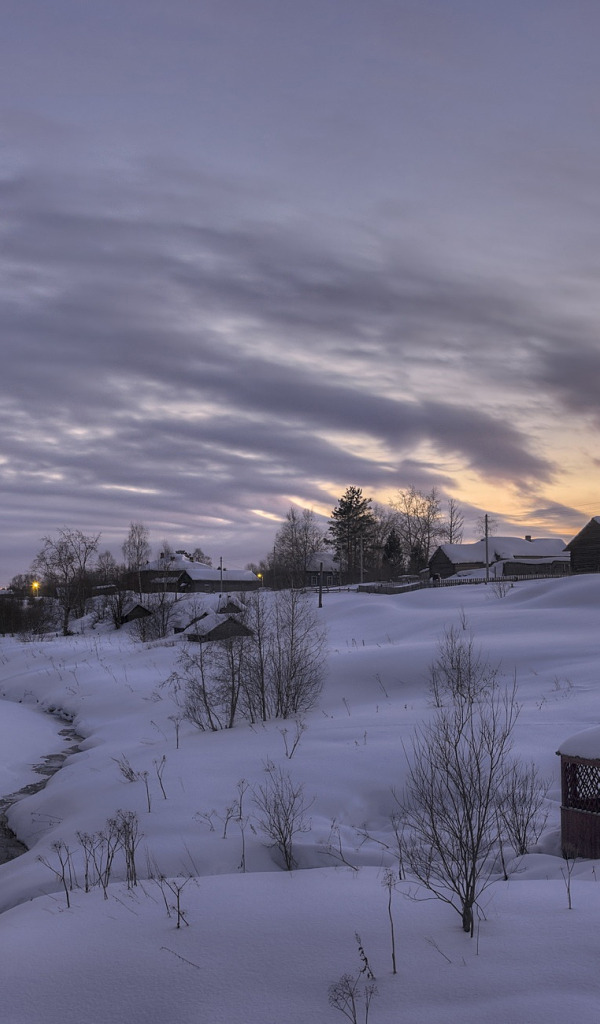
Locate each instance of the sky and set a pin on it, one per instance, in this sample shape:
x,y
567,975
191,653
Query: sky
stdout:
x,y
254,252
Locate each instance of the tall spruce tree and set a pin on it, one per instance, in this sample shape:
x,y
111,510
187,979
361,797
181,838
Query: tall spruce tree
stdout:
x,y
351,526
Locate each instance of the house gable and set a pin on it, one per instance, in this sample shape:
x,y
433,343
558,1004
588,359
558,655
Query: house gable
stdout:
x,y
585,548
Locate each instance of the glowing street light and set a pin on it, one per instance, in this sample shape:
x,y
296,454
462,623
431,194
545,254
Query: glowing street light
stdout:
x,y
35,587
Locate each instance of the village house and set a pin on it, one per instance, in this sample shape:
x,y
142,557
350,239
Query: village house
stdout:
x,y
178,574
584,549
507,556
326,562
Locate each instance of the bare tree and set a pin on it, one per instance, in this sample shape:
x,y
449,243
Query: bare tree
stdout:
x,y
257,697
136,549
296,541
298,655
521,805
116,600
460,760
162,608
64,563
107,569
487,524
282,808
385,555
276,672
419,524
198,555
208,682
453,525
63,872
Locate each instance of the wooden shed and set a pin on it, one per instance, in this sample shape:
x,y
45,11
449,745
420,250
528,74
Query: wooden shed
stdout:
x,y
134,610
580,801
212,626
585,548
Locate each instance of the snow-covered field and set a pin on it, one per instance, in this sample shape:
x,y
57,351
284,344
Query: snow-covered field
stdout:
x,y
262,946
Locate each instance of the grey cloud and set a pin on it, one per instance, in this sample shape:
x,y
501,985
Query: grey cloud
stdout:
x,y
112,320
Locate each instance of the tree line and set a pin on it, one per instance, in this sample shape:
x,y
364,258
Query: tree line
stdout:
x,y
369,540
70,568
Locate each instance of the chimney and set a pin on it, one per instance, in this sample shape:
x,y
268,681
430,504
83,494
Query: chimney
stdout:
x,y
527,536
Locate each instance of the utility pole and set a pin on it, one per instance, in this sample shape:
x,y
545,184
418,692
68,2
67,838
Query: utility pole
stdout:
x,y
221,571
320,584
487,559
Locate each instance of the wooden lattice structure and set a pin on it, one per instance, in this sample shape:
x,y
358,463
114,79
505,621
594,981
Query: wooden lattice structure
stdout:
x,y
580,785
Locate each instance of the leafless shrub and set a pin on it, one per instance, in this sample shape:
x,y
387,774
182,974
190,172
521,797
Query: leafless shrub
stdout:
x,y
63,868
158,624
460,760
131,775
282,808
285,659
242,819
348,991
521,805
207,684
570,856
366,966
104,852
159,767
334,847
395,846
89,844
291,744
129,837
126,769
176,719
344,995
460,673
276,672
389,883
500,588
175,887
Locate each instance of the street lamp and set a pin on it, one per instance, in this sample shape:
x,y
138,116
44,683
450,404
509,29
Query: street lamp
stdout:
x,y
260,577
35,587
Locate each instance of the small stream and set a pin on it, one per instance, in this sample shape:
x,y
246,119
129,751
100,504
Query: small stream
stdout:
x,y
10,846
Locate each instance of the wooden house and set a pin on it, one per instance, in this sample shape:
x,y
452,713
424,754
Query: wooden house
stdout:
x,y
584,549
507,556
326,562
179,575
580,801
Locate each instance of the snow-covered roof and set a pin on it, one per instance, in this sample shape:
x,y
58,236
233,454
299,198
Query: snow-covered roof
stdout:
x,y
200,571
330,562
582,744
206,623
505,548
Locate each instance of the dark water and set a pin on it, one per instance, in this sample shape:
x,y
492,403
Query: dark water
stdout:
x,y
10,846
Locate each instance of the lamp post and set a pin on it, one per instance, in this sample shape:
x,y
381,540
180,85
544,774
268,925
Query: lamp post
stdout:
x,y
35,588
